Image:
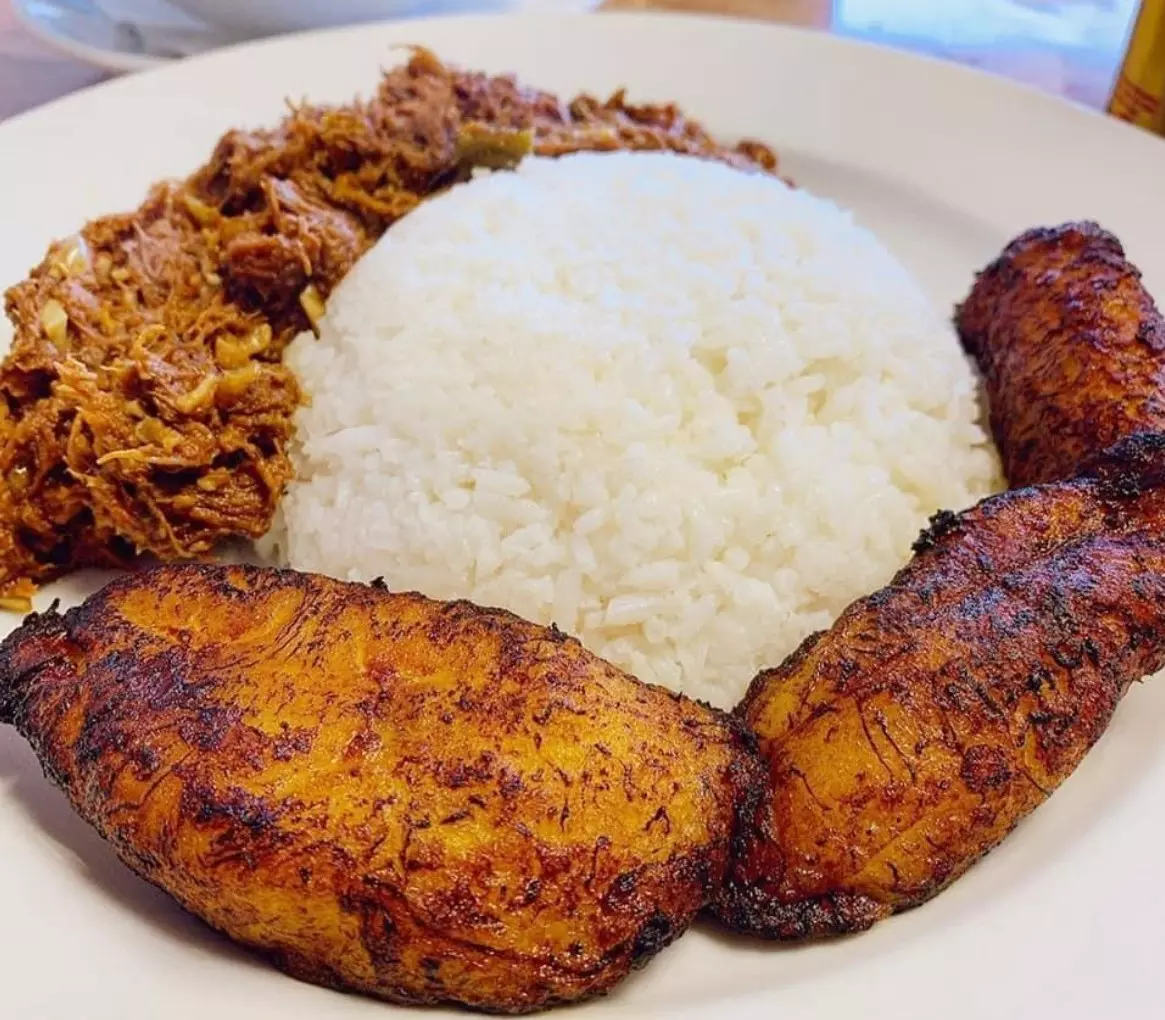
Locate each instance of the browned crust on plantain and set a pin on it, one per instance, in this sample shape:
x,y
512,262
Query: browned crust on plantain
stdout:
x,y
908,740
1071,348
424,802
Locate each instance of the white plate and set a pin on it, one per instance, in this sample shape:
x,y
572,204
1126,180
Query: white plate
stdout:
x,y
1063,921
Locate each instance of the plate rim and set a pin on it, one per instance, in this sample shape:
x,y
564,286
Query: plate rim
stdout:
x,y
813,36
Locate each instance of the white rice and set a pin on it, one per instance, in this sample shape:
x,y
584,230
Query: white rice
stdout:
x,y
685,413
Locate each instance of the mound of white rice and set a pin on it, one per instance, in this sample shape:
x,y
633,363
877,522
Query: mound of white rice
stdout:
x,y
685,413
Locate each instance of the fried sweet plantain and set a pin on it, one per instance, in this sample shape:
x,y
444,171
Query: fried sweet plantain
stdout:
x,y
1071,347
426,802
908,740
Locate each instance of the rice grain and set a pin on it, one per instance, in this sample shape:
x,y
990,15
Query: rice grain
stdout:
x,y
685,413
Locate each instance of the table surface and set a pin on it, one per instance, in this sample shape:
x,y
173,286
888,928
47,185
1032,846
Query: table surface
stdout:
x,y
1070,47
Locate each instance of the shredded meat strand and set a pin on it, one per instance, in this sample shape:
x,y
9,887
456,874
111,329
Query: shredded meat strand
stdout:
x,y
145,407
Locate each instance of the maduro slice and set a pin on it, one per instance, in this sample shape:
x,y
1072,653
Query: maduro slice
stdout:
x,y
908,740
1071,347
426,802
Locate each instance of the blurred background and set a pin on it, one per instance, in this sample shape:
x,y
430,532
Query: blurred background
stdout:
x,y
1070,47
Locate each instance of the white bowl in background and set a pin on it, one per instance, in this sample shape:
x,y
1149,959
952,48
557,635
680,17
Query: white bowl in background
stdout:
x,y
268,17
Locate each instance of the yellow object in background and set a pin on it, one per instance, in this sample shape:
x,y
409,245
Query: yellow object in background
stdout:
x,y
1139,94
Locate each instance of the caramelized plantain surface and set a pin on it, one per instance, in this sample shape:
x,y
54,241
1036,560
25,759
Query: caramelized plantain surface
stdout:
x,y
422,801
909,739
1071,348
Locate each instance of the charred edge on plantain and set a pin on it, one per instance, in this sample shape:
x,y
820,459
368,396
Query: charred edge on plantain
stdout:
x,y
1130,467
654,935
941,524
42,632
